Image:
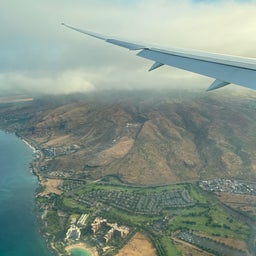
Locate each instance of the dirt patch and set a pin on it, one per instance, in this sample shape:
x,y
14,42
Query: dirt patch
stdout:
x,y
51,186
120,149
245,203
60,140
139,245
190,250
233,243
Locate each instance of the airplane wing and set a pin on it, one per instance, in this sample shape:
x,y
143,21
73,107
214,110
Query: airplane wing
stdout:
x,y
224,69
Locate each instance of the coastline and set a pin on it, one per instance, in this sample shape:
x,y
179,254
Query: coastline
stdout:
x,y
35,170
83,246
37,160
17,159
29,145
35,166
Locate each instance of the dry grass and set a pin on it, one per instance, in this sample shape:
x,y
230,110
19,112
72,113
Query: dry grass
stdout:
x,y
60,140
234,243
173,137
118,150
139,245
51,186
190,250
238,201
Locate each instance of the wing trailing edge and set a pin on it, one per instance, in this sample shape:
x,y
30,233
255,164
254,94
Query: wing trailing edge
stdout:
x,y
225,69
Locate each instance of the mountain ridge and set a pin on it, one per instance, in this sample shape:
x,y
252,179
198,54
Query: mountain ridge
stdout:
x,y
144,137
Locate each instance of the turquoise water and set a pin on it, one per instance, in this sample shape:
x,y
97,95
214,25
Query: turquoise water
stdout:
x,y
19,234
79,252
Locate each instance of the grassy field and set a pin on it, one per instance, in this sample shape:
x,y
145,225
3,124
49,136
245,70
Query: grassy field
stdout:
x,y
122,187
205,216
169,247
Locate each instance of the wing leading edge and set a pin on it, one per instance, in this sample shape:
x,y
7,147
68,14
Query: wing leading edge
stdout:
x,y
224,69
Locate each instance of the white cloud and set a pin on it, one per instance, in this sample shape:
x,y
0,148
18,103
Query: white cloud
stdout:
x,y
40,52
66,82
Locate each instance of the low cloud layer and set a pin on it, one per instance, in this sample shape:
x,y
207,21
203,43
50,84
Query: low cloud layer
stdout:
x,y
38,55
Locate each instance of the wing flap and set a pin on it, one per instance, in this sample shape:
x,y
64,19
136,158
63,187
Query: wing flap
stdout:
x,y
220,71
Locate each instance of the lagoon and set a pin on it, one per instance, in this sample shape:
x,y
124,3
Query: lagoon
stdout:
x,y
79,252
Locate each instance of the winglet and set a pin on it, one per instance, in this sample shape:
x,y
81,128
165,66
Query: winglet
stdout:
x,y
217,84
125,44
89,33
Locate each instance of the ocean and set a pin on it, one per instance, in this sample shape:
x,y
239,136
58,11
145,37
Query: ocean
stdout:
x,y
19,233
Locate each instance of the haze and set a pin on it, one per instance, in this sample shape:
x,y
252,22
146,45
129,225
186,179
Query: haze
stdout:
x,y
40,56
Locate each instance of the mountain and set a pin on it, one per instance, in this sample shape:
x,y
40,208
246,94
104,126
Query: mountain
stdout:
x,y
144,137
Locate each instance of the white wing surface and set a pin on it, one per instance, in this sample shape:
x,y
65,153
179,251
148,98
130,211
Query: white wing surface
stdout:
x,y
224,69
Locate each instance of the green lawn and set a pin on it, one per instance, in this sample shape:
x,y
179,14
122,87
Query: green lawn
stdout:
x,y
211,220
206,216
169,247
74,205
120,187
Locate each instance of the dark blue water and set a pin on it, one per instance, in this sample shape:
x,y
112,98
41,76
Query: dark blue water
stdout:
x,y
19,234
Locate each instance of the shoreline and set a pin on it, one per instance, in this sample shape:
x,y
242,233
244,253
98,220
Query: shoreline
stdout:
x,y
35,171
83,246
35,166
40,237
29,145
37,159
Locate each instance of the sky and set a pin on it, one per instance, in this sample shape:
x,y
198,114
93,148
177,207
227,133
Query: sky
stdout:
x,y
38,55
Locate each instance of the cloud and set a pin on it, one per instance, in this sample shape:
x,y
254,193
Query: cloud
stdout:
x,y
37,52
64,83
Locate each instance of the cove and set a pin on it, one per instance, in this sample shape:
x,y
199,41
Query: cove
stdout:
x,y
79,252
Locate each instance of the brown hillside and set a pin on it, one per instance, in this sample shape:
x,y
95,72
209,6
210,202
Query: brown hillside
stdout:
x,y
144,137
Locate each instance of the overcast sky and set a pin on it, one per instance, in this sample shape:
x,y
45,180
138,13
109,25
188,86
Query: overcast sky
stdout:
x,y
39,55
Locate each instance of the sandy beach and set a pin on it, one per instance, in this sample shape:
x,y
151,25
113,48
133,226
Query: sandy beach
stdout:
x,y
27,143
83,246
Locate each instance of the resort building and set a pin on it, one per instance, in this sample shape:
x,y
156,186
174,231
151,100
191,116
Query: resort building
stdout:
x,y
96,225
73,233
98,222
